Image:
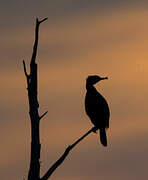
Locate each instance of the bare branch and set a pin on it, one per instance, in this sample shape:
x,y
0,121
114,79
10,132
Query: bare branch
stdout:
x,y
62,158
43,115
36,40
41,20
25,71
56,164
82,137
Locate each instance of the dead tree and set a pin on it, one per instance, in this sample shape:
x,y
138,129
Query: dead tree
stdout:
x,y
34,170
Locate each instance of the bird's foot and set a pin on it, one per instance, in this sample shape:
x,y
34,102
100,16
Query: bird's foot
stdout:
x,y
94,129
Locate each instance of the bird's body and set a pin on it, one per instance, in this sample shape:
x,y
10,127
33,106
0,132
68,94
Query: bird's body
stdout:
x,y
97,108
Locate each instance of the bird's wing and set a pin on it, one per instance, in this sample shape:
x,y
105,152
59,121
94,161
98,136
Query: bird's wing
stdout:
x,y
97,109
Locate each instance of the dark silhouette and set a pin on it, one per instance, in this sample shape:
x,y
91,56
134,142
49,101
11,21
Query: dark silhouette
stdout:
x,y
97,108
34,170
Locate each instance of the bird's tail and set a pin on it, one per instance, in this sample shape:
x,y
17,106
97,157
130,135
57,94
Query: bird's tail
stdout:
x,y
103,137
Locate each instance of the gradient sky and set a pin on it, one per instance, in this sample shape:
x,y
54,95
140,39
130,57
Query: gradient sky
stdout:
x,y
80,38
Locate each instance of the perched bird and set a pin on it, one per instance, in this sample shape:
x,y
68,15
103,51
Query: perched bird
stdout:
x,y
97,108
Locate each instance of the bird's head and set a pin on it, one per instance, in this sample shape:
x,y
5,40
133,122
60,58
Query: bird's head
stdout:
x,y
91,80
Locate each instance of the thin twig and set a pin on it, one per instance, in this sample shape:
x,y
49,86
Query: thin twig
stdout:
x,y
43,115
25,71
41,20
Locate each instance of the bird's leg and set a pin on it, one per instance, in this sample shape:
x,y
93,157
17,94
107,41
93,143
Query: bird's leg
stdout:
x,y
94,129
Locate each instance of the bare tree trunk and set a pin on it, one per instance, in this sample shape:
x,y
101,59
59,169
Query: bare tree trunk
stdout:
x,y
34,170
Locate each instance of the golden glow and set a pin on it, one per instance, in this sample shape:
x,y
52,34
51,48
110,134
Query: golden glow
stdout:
x,y
114,45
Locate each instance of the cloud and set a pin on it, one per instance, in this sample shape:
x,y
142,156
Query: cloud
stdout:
x,y
77,38
112,44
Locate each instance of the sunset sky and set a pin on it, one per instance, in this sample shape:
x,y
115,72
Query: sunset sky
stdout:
x,y
80,38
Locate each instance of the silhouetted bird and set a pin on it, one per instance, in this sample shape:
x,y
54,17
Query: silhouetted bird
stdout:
x,y
97,108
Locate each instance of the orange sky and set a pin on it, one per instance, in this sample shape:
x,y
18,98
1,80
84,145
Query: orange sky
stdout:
x,y
101,40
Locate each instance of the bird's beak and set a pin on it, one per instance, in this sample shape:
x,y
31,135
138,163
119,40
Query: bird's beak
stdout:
x,y
103,78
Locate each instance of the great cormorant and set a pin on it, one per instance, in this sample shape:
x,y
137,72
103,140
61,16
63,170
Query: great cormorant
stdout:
x,y
97,108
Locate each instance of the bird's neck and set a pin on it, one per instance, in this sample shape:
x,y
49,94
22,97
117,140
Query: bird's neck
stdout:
x,y
90,87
